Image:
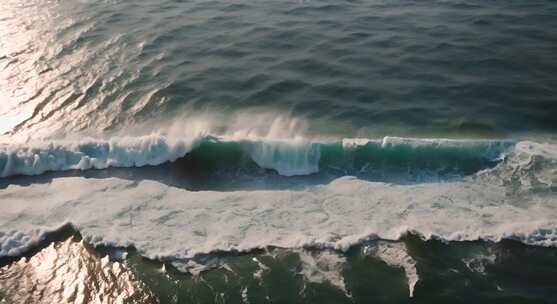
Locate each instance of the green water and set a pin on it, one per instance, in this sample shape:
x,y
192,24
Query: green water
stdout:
x,y
218,100
458,272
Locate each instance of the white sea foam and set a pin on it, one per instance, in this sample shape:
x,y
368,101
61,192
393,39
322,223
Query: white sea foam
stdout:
x,y
261,269
195,268
288,156
15,243
323,267
514,200
416,142
39,157
395,254
478,261
163,221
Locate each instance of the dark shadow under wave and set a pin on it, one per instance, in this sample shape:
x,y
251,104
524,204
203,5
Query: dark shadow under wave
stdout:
x,y
215,164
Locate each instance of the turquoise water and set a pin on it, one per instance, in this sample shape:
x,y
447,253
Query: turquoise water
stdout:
x,y
278,151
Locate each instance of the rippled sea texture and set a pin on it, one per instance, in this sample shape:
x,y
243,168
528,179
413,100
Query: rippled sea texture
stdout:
x,y
291,151
457,68
69,272
408,271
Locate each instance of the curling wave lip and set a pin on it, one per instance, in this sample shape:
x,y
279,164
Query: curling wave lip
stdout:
x,y
288,157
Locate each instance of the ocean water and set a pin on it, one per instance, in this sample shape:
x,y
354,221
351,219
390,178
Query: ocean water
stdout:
x,y
278,151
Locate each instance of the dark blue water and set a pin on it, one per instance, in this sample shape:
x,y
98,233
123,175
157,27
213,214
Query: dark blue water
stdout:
x,y
366,68
268,123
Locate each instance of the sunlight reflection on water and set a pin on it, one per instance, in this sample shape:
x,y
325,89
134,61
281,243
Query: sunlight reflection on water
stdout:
x,y
68,272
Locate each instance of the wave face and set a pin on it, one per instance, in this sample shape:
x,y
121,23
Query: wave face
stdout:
x,y
276,112
90,154
390,155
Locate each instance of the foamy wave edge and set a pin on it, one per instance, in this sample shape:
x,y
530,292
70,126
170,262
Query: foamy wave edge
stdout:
x,y
16,243
514,200
289,157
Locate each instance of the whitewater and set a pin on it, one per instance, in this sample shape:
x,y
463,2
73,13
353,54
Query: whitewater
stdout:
x,y
510,196
306,151
288,156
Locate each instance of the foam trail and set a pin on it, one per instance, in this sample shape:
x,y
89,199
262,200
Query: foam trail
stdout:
x,y
478,261
325,266
396,254
261,269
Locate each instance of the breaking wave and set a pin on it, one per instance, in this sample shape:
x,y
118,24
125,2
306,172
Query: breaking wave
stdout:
x,y
515,199
287,157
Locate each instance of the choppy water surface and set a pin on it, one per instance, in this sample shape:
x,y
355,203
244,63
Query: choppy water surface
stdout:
x,y
374,67
278,151
377,271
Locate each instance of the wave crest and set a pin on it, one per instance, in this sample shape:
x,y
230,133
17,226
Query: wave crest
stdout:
x,y
287,157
